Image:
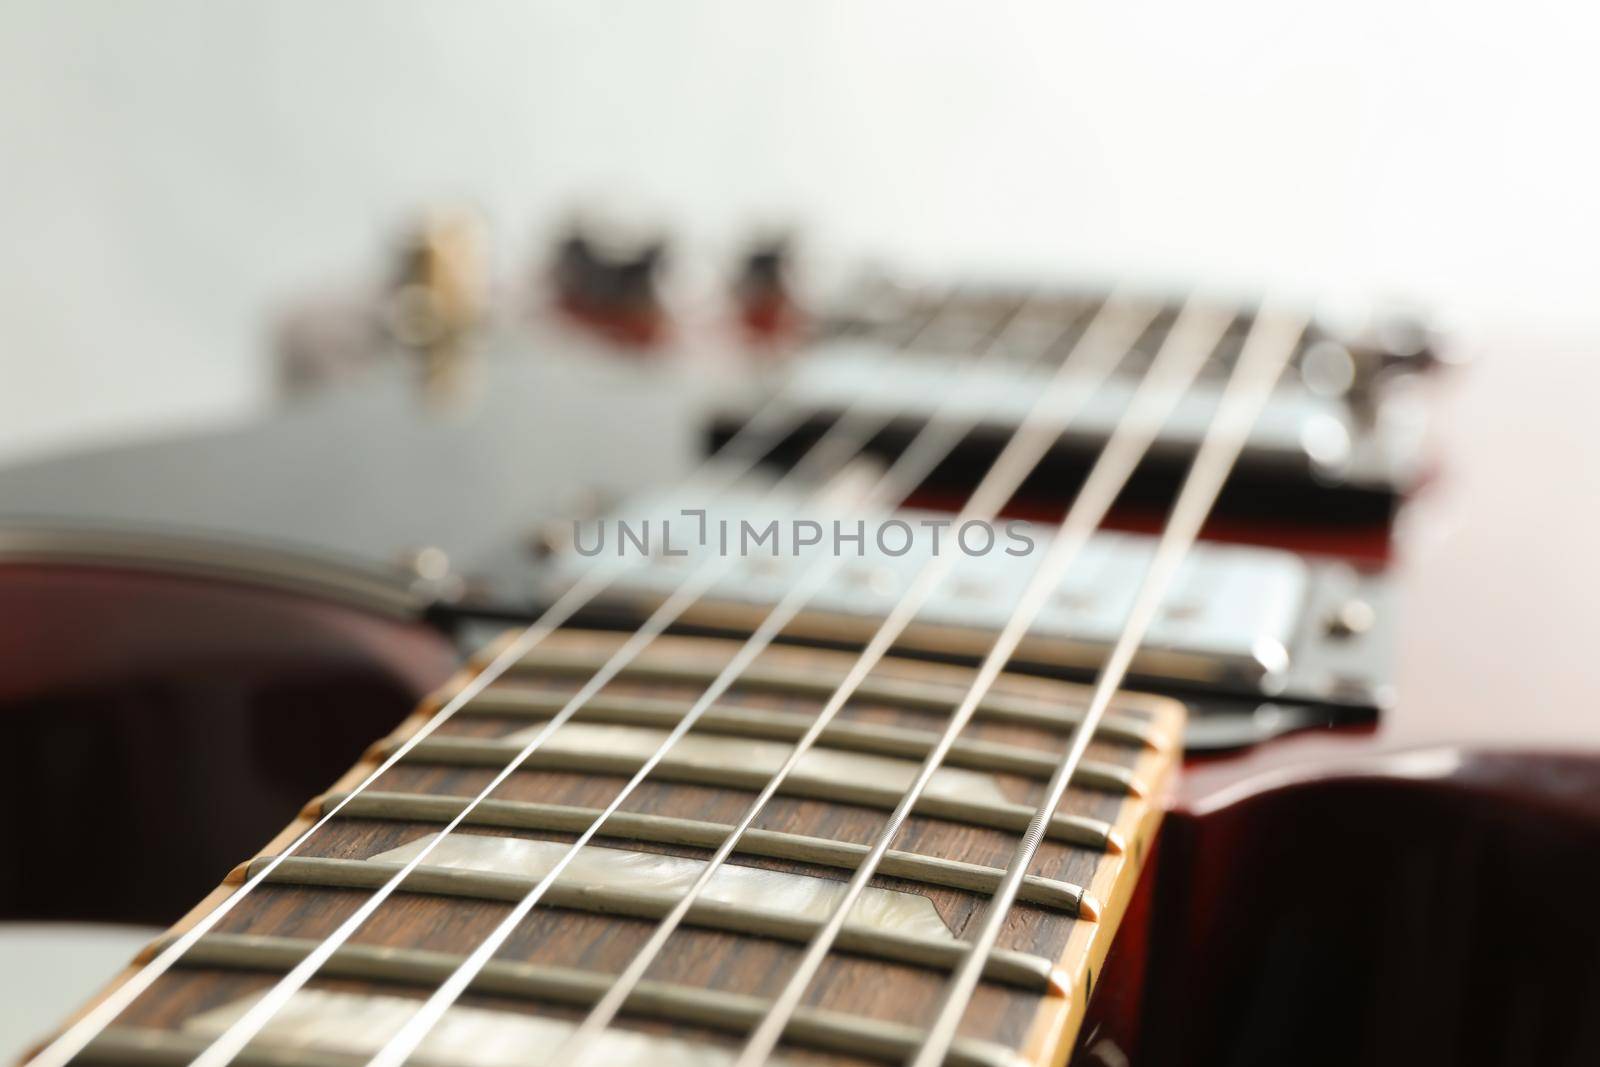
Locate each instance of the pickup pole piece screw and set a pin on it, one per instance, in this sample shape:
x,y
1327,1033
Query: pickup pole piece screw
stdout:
x,y
1350,619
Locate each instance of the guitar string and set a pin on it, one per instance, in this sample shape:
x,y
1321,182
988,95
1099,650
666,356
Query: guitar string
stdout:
x,y
1191,340
849,434
938,440
997,486
774,421
1267,350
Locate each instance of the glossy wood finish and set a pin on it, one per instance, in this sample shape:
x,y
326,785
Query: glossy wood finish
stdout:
x,y
160,726
1422,891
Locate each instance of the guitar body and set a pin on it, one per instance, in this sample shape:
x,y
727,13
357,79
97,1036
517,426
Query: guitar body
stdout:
x,y
1429,907
1420,891
232,689
1416,889
184,718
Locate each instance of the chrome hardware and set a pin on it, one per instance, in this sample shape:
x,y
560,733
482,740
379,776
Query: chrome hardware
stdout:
x,y
432,576
1254,622
1351,618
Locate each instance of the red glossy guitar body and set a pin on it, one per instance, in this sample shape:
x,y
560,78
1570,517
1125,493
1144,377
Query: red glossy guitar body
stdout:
x,y
159,725
1421,891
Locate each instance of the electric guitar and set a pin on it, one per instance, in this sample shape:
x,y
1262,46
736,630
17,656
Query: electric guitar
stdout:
x,y
748,765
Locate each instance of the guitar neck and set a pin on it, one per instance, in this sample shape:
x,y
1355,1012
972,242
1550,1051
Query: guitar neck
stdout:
x,y
876,991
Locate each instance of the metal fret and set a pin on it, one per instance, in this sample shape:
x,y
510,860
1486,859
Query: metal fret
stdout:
x,y
132,1046
738,721
666,830
996,815
711,1009
1034,973
896,692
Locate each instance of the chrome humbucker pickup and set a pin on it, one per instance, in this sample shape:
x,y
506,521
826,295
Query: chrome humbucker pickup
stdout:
x,y
1261,624
1302,429
1340,440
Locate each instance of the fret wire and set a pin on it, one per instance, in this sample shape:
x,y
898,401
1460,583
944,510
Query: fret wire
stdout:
x,y
1187,344
137,1046
1095,353
845,736
858,422
697,833
932,443
995,815
1021,969
1268,347
896,692
711,1009
772,423
129,1046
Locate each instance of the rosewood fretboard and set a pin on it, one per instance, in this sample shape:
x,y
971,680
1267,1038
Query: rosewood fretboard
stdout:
x,y
710,986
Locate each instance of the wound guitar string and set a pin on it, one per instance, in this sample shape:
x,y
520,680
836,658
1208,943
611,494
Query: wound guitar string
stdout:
x,y
1109,336
719,472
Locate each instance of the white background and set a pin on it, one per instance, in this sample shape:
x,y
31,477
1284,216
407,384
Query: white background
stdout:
x,y
172,173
